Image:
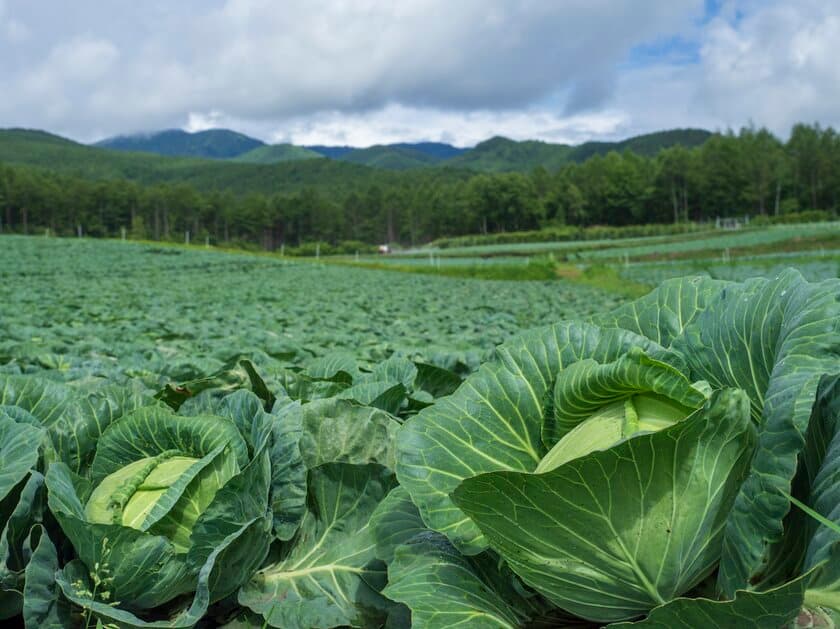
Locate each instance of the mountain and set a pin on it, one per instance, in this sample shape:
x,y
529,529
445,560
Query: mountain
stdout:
x,y
298,168
213,143
62,156
274,153
648,145
438,151
333,152
389,157
503,155
497,154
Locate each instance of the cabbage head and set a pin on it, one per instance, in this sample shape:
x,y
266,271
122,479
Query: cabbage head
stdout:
x,y
168,497
621,466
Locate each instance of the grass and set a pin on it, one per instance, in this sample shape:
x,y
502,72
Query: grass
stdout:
x,y
536,270
606,278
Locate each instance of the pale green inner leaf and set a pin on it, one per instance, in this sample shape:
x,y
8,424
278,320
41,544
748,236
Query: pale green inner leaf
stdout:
x,y
643,413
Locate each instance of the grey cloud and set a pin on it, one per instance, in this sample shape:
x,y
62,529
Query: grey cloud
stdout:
x,y
92,68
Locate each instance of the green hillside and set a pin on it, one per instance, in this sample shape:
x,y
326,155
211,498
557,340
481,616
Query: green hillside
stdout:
x,y
288,168
62,156
389,157
212,143
648,145
275,153
504,155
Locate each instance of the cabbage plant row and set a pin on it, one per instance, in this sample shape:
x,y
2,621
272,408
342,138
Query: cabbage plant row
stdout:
x,y
672,463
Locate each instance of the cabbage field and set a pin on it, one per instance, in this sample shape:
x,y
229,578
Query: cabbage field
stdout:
x,y
195,438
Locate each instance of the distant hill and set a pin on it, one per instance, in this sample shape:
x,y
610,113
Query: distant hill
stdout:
x,y
50,152
275,153
438,150
497,154
502,155
648,145
212,144
389,157
287,168
333,152
402,154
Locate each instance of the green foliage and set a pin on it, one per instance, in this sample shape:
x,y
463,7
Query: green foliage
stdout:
x,y
276,153
523,192
389,157
191,438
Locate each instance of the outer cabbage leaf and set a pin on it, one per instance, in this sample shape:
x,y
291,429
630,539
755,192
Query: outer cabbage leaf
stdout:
x,y
395,521
323,431
341,431
494,420
43,605
74,421
75,583
18,536
748,610
440,586
823,547
44,399
330,576
774,339
444,588
19,444
611,535
663,314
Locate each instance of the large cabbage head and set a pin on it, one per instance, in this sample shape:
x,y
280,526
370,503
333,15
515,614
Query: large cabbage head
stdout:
x,y
590,461
164,492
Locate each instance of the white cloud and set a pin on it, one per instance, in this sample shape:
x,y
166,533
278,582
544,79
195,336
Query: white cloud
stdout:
x,y
372,71
777,65
265,62
398,123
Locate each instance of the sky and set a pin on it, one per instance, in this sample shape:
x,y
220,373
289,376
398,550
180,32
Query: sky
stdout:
x,y
364,72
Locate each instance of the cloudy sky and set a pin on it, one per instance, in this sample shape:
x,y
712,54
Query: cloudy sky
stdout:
x,y
361,72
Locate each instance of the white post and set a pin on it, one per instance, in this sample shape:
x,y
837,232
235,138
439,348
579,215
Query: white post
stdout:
x,y
207,242
357,255
122,229
626,260
79,231
317,250
432,258
187,237
47,232
282,249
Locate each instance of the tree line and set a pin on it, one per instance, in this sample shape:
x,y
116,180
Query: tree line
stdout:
x,y
731,174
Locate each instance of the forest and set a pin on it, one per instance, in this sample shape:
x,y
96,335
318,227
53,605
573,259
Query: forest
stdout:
x,y
751,172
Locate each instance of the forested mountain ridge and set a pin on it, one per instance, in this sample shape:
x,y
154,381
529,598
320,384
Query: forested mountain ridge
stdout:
x,y
47,182
64,157
274,153
212,143
497,154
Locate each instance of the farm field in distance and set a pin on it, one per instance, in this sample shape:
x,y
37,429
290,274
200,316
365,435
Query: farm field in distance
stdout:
x,y
813,248
120,310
